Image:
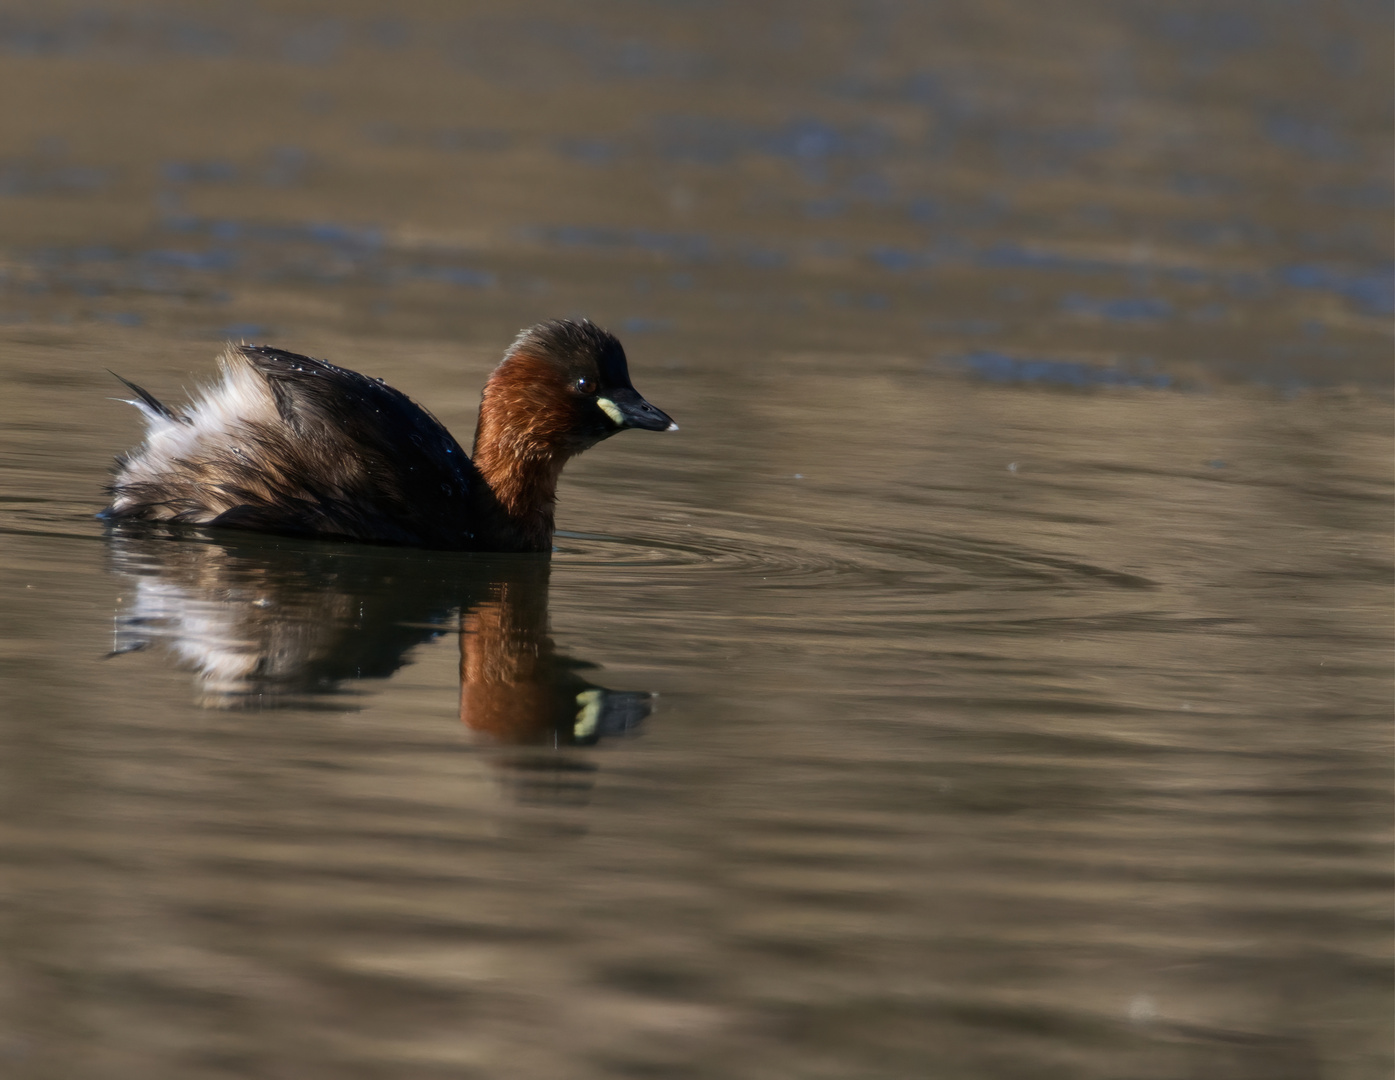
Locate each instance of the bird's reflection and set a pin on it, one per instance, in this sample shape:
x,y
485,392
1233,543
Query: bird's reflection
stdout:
x,y
266,622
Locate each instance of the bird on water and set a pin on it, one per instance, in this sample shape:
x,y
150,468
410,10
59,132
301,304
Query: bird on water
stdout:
x,y
295,446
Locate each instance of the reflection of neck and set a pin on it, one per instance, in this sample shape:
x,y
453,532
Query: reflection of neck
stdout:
x,y
506,661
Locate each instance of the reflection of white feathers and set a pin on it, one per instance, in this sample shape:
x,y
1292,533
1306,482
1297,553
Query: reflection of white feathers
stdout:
x,y
240,643
265,628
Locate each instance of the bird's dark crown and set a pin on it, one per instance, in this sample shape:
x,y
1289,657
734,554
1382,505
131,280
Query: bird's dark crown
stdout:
x,y
575,349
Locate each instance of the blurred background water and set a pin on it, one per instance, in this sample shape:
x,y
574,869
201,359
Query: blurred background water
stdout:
x,y
1016,595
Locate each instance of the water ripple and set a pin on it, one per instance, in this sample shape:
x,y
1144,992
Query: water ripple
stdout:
x,y
755,550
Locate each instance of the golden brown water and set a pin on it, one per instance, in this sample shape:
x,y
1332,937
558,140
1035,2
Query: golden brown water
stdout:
x,y
1017,594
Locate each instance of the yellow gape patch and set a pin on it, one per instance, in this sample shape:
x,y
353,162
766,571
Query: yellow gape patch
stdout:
x,y
611,410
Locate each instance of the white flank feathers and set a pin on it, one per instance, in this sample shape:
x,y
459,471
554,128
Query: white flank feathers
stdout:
x,y
213,421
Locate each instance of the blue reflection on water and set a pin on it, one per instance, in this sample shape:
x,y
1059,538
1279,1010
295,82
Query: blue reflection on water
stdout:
x,y
314,232
287,166
998,367
894,258
454,275
1007,255
198,172
1122,309
764,258
1312,138
718,141
316,44
640,325
822,209
120,318
27,178
1373,292
211,259
1215,31
591,151
691,246
244,332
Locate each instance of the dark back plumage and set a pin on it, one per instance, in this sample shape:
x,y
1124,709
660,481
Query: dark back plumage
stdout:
x,y
410,479
321,451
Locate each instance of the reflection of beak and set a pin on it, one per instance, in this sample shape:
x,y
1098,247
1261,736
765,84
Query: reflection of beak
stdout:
x,y
604,712
627,409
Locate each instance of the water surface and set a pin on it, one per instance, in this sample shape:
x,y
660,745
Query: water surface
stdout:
x,y
991,679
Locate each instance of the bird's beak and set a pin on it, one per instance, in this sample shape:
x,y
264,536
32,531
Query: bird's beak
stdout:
x,y
627,409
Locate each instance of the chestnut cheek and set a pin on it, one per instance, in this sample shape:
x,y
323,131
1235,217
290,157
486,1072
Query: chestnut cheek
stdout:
x,y
568,424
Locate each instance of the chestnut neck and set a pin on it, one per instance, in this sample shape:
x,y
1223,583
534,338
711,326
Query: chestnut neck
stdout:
x,y
519,451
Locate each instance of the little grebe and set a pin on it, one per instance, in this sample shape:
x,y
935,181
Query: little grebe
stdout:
x,y
286,444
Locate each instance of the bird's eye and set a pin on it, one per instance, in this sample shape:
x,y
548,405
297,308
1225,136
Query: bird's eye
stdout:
x,y
586,384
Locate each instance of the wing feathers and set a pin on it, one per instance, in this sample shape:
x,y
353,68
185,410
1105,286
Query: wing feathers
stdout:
x,y
148,403
286,443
